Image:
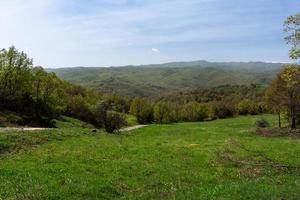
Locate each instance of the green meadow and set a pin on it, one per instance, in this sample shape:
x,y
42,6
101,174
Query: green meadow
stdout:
x,y
222,159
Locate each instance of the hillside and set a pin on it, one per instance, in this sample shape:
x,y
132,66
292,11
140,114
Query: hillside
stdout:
x,y
222,159
150,80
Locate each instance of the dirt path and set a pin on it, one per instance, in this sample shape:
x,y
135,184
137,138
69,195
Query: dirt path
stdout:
x,y
132,128
39,129
21,129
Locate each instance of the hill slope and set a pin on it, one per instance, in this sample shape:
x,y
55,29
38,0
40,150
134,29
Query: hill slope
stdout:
x,y
150,80
221,159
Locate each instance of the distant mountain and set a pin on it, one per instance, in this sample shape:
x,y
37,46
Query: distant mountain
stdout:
x,y
153,80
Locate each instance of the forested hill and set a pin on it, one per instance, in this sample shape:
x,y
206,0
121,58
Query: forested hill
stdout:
x,y
151,80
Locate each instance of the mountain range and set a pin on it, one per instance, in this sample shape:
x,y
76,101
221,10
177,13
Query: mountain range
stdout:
x,y
157,79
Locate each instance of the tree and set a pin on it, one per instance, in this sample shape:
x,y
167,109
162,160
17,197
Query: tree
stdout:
x,y
285,91
194,111
47,93
100,113
78,107
143,110
15,77
114,121
292,27
220,109
274,97
247,106
163,113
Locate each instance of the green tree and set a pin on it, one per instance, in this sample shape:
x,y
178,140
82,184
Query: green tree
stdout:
x,y
163,113
274,97
292,28
194,111
15,76
285,91
114,121
247,106
143,110
220,109
100,113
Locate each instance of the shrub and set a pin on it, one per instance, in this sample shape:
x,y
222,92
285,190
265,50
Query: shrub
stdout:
x,y
261,123
194,111
247,106
163,113
79,108
100,113
143,110
220,110
15,119
114,121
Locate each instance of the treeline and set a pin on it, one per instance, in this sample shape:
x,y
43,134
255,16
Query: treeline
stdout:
x,y
40,96
199,105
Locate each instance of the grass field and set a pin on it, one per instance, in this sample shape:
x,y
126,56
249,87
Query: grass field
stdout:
x,y
221,159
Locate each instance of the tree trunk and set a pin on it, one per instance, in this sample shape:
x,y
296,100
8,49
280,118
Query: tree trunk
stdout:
x,y
292,112
293,122
279,120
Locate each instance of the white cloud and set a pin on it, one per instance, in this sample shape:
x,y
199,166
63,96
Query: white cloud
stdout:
x,y
155,50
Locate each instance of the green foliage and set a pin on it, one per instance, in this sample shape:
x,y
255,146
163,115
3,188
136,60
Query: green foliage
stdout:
x,y
27,90
194,111
42,96
15,119
247,106
283,94
118,103
114,121
292,27
163,113
143,110
220,110
131,120
79,108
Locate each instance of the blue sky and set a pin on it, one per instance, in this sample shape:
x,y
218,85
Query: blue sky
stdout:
x,y
70,33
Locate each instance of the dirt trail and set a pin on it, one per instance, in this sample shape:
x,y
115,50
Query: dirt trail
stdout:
x,y
21,129
132,128
39,129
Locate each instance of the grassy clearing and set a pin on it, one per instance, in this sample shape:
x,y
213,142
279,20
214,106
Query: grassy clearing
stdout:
x,y
68,122
210,160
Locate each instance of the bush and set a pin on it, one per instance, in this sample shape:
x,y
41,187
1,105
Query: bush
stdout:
x,y
262,123
247,106
100,113
114,121
15,119
163,113
220,110
194,111
143,110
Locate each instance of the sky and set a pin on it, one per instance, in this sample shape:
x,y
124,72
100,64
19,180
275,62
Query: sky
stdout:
x,y
68,33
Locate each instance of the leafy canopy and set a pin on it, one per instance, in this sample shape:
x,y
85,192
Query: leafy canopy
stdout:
x,y
292,27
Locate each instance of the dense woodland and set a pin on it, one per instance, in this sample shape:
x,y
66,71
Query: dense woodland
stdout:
x,y
40,96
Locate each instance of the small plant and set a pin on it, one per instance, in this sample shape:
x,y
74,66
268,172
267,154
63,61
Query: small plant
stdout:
x,y
262,123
